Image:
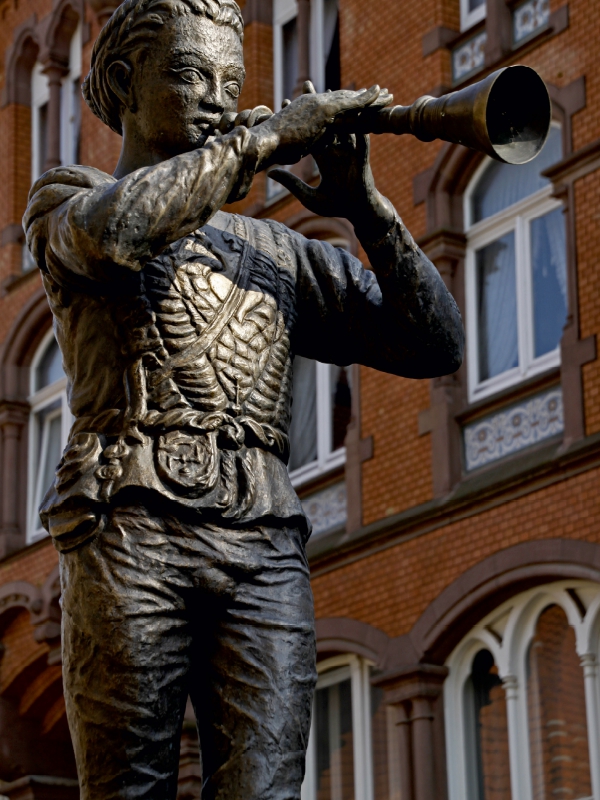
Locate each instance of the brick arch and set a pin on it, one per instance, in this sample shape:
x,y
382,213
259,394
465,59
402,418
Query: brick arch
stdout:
x,y
26,333
59,30
16,354
314,227
337,635
489,583
20,59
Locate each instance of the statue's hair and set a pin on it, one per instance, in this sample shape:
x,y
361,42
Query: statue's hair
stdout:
x,y
134,24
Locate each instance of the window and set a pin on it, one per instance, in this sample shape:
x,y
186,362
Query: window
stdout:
x,y
516,272
522,699
70,104
321,411
40,96
70,110
471,12
48,429
324,47
347,750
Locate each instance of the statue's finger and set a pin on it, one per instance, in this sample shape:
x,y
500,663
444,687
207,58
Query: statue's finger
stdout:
x,y
365,98
243,117
297,187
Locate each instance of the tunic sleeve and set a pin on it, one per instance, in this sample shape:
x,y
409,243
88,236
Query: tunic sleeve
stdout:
x,y
398,317
98,228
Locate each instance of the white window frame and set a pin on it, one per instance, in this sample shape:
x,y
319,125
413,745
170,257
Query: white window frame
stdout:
x,y
327,459
335,670
283,12
69,115
40,95
470,18
517,218
39,400
507,633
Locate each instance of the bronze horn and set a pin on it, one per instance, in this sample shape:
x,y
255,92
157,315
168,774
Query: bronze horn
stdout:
x,y
506,115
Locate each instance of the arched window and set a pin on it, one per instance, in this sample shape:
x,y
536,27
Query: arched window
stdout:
x,y
70,111
70,114
347,750
522,699
516,276
70,104
40,96
49,427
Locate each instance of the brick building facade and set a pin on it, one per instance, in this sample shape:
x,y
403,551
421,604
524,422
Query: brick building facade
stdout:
x,y
456,549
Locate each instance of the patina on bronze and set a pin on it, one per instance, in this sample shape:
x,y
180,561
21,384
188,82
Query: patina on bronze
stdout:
x,y
181,538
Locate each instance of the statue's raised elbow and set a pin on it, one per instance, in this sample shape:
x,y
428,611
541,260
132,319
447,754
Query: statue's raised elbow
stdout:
x,y
453,353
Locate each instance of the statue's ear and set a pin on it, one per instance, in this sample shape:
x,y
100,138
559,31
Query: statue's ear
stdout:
x,y
119,76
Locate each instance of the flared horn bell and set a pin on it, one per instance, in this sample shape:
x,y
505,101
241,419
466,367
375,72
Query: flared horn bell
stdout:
x,y
506,115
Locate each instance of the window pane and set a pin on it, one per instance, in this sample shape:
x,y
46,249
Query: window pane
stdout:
x,y
48,448
289,34
501,185
331,44
487,731
497,307
42,142
334,742
549,268
303,430
475,4
556,709
381,785
50,368
341,404
75,120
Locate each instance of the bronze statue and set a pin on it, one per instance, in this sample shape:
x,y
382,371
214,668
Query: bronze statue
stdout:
x,y
181,539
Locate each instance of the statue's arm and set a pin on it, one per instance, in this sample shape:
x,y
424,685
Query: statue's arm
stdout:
x,y
398,317
124,223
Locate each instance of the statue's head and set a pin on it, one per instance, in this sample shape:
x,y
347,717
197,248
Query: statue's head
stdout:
x,y
166,70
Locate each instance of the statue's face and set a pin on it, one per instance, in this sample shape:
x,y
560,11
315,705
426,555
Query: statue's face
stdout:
x,y
191,74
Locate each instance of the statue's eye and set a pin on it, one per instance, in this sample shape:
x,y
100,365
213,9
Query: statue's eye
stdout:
x,y
189,75
233,89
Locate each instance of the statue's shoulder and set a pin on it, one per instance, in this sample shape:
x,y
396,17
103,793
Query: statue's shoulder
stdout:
x,y
57,185
77,176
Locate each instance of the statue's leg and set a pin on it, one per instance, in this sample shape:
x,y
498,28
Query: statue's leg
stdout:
x,y
253,707
126,656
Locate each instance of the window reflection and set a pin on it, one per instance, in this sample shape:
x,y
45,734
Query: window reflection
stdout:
x,y
497,307
549,271
341,404
487,731
334,742
502,185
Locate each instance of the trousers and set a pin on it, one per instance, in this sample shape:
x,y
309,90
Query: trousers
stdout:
x,y
156,609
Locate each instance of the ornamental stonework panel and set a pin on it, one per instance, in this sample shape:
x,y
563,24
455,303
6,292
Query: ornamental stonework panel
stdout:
x,y
469,57
513,429
529,18
326,509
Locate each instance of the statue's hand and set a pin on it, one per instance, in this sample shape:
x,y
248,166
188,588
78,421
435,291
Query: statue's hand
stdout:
x,y
293,132
347,188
